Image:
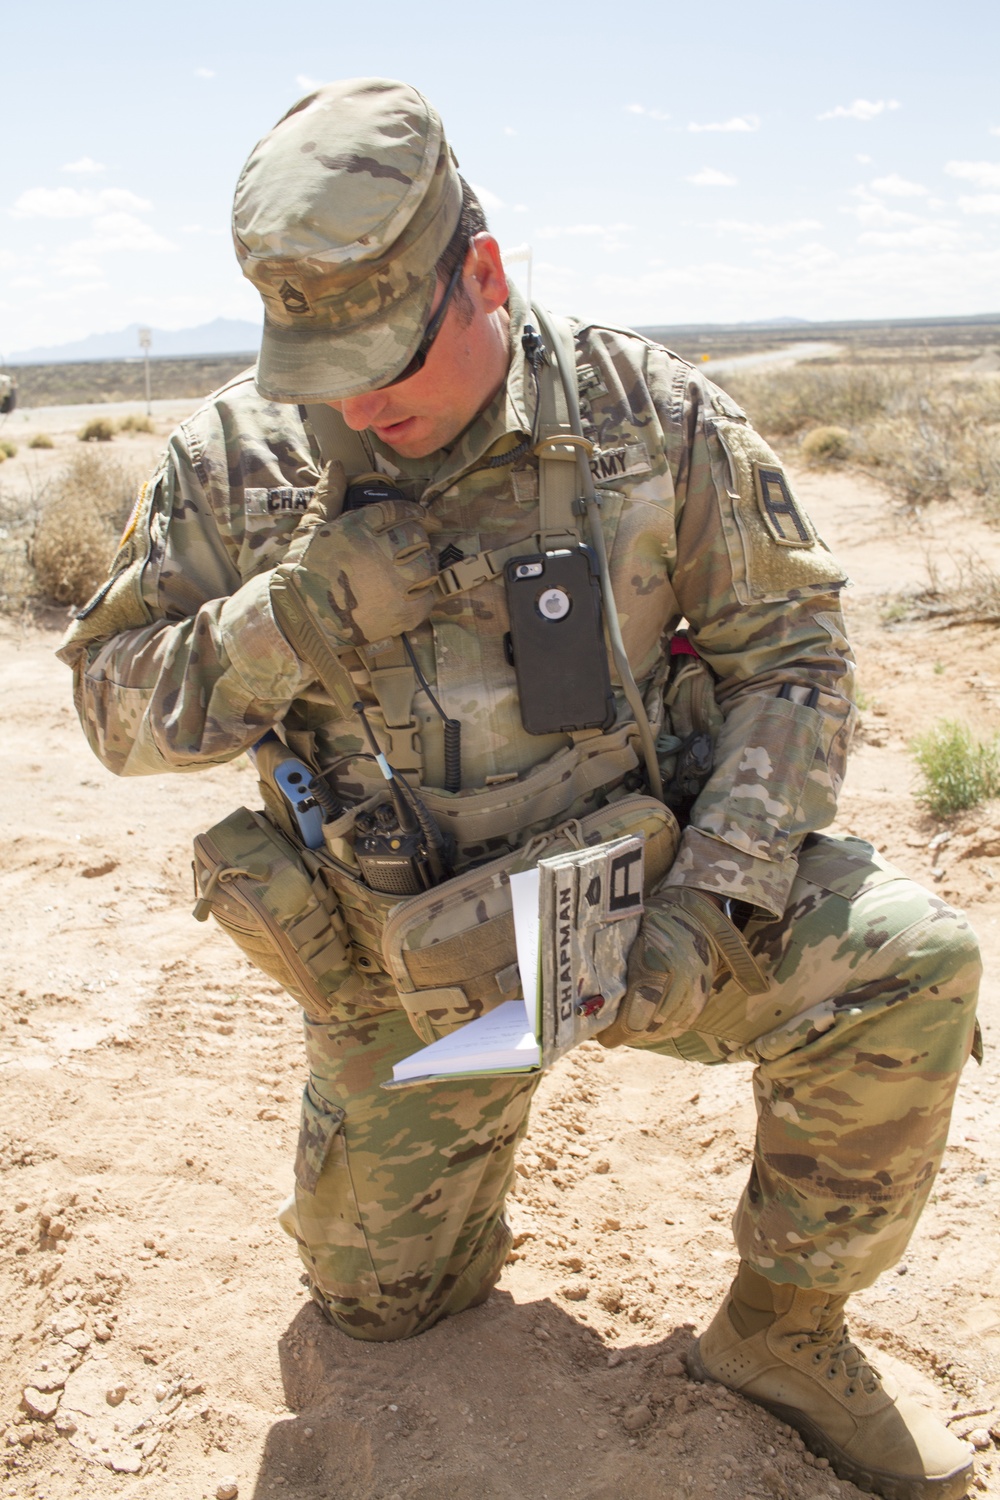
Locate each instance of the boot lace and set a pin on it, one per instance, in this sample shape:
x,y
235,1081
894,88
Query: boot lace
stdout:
x,y
835,1348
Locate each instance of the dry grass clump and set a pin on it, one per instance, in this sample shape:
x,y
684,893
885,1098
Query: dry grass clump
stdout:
x,y
826,445
968,595
928,434
7,450
135,422
41,440
97,430
79,524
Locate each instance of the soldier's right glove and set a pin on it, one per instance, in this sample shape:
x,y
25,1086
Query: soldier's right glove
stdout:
x,y
361,576
684,940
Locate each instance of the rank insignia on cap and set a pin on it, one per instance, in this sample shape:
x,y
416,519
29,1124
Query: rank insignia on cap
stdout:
x,y
294,300
779,510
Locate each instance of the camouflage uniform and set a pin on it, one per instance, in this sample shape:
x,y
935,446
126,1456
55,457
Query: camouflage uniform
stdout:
x,y
868,1017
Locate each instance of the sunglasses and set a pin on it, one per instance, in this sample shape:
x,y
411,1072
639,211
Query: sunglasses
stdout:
x,y
430,334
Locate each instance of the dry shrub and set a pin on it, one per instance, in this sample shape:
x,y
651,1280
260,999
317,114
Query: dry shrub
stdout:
x,y
41,440
969,594
9,450
135,423
97,430
783,402
929,435
826,445
79,527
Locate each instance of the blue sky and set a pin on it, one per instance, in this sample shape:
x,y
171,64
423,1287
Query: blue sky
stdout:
x,y
688,164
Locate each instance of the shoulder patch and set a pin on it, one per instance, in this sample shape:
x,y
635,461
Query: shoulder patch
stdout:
x,y
778,508
133,519
773,546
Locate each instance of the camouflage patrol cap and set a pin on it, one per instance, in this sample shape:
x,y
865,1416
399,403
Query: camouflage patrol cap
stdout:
x,y
339,218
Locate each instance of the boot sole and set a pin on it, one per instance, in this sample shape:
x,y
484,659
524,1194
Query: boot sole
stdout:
x,y
951,1486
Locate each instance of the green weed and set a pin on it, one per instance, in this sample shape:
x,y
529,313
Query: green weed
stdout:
x,y
958,770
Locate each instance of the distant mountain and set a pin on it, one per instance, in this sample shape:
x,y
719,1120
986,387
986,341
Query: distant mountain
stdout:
x,y
221,336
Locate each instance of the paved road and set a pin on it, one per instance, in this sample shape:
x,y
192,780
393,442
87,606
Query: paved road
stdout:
x,y
24,421
773,359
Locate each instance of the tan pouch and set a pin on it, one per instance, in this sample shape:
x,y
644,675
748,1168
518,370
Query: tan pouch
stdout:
x,y
450,951
271,898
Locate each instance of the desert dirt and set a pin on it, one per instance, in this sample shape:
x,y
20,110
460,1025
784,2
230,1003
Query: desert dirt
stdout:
x,y
159,1340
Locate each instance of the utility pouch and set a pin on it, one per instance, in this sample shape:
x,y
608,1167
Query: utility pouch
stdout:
x,y
692,720
270,897
450,951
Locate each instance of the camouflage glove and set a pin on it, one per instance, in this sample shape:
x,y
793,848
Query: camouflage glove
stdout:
x,y
683,942
363,575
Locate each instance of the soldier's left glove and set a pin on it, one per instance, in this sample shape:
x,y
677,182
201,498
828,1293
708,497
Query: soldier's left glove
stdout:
x,y
355,576
684,940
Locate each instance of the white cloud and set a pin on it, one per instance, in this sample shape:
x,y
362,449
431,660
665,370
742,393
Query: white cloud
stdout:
x,y
75,203
875,215
995,130
651,114
307,84
982,203
860,156
861,109
810,280
121,232
738,122
204,72
557,231
509,130
898,187
759,233
920,236
985,174
711,177
490,201
85,164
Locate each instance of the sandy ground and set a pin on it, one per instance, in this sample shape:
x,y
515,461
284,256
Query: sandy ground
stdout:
x,y
160,1343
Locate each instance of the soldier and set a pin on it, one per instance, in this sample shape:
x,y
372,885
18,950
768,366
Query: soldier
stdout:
x,y
386,301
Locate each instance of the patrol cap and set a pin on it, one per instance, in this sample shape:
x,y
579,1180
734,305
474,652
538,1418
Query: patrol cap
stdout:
x,y
339,218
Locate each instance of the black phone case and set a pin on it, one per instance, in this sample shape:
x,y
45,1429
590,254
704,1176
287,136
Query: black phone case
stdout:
x,y
561,663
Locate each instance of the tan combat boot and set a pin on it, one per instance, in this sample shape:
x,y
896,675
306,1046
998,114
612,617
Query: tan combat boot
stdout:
x,y
788,1349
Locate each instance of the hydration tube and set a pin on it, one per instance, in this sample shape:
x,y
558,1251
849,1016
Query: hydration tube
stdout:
x,y
629,685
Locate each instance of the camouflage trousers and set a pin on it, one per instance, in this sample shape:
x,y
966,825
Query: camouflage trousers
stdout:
x,y
857,1043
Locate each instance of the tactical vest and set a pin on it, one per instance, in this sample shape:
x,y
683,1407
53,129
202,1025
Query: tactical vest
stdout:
x,y
595,763
308,918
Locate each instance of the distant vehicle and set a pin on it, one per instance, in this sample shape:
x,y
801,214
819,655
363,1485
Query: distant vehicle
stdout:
x,y
8,394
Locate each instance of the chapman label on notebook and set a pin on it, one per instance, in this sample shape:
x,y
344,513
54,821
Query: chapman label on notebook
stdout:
x,y
576,916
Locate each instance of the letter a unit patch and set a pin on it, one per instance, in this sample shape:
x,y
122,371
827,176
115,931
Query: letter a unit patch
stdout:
x,y
780,513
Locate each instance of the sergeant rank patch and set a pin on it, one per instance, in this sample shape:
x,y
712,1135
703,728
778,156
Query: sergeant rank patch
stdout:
x,y
779,510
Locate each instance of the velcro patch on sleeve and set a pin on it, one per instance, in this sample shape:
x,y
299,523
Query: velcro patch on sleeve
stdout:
x,y
773,546
779,509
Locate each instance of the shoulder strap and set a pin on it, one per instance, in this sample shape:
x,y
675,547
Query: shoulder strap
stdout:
x,y
558,480
334,439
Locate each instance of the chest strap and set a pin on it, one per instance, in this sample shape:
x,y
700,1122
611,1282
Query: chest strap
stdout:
x,y
393,680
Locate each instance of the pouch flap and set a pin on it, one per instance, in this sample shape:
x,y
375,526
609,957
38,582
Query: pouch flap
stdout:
x,y
320,1123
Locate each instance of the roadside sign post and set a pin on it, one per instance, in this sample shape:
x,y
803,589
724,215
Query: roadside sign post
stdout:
x,y
145,340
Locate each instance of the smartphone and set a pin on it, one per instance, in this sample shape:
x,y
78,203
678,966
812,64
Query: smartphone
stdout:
x,y
556,641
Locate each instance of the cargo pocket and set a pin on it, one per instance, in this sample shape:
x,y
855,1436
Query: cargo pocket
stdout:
x,y
331,1233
